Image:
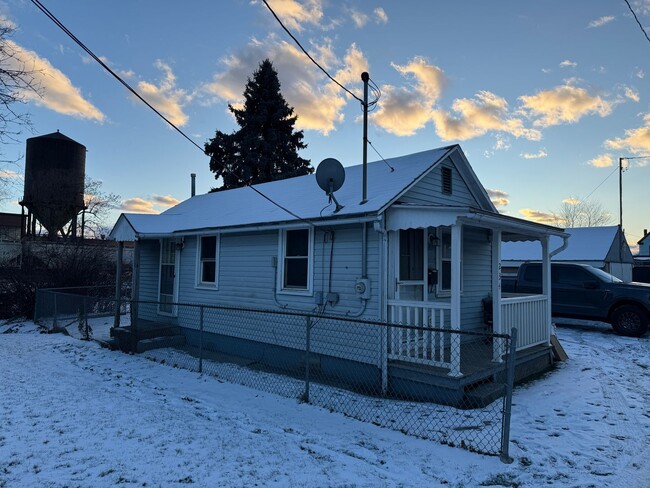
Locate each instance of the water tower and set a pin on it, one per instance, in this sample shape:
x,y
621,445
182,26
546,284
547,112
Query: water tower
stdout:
x,y
55,168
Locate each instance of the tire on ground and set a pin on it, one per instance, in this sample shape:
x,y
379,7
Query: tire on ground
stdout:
x,y
630,320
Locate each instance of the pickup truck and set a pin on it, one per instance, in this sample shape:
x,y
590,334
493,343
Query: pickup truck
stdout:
x,y
583,292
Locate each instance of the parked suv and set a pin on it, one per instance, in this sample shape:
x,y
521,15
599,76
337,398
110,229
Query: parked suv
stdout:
x,y
584,292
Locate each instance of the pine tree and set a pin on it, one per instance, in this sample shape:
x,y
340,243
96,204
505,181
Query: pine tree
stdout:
x,y
265,148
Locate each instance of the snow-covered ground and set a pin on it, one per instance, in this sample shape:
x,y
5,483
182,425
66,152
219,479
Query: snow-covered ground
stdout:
x,y
74,414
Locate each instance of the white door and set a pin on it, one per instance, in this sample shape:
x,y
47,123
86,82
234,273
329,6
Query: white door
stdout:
x,y
168,286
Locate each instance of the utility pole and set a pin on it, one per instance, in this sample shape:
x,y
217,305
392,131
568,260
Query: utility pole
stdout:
x,y
365,77
620,208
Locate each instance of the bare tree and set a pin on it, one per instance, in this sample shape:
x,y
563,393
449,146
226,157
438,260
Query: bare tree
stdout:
x,y
16,79
578,213
98,207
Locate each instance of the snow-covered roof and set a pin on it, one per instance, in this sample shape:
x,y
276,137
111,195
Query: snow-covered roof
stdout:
x,y
301,195
585,244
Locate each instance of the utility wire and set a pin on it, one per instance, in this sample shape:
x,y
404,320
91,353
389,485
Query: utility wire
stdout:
x,y
382,158
601,183
53,18
309,55
637,20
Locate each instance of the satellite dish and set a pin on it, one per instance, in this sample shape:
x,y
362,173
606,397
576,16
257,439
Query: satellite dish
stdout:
x,y
330,176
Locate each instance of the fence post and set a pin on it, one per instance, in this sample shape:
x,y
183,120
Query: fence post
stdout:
x,y
54,321
305,395
84,315
201,340
507,409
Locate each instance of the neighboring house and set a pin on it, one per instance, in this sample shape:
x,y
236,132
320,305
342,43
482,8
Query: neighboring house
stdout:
x,y
644,244
601,247
10,232
425,246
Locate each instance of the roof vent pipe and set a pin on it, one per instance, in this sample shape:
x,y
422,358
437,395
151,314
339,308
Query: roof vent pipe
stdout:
x,y
645,232
193,176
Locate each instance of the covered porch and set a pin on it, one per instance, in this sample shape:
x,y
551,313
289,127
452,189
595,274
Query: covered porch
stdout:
x,y
444,279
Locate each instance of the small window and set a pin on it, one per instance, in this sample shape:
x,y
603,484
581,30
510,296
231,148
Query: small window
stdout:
x,y
446,180
444,276
296,260
207,273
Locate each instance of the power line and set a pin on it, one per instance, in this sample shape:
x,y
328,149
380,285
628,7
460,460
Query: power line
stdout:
x,y
601,183
309,55
637,20
382,158
53,18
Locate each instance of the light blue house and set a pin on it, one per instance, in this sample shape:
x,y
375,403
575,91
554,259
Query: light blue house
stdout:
x,y
424,249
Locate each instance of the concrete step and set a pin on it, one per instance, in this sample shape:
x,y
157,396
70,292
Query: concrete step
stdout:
x,y
160,342
482,395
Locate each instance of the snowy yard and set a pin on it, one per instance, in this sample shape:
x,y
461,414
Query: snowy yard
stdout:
x,y
75,414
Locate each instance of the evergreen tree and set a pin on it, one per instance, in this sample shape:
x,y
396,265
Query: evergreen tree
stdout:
x,y
265,148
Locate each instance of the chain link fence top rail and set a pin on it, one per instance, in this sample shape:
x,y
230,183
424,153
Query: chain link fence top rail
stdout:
x,y
337,363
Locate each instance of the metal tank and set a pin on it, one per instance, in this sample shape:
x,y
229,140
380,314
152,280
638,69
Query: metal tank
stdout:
x,y
55,169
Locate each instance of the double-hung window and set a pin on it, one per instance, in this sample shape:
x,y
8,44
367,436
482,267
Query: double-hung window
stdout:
x,y
208,259
296,260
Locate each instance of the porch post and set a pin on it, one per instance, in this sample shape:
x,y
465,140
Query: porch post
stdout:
x,y
546,285
455,298
497,326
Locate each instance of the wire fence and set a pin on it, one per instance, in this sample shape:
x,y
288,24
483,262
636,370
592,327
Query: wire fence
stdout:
x,y
345,365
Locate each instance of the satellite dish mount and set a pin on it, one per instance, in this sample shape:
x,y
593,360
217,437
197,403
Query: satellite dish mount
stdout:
x,y
330,176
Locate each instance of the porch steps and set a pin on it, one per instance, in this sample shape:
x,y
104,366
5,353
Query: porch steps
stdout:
x,y
483,394
160,342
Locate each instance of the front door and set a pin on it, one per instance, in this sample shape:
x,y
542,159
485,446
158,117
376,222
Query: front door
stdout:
x,y
167,289
410,266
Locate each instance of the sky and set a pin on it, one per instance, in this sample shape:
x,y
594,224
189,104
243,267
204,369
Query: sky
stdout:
x,y
543,97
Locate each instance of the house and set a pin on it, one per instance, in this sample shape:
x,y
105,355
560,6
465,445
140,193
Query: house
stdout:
x,y
601,247
424,249
644,244
10,233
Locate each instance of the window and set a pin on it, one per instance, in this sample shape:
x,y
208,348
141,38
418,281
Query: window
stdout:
x,y
296,262
444,278
445,173
411,255
207,266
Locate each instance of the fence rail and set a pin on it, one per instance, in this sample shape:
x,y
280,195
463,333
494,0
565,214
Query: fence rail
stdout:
x,y
529,310
343,364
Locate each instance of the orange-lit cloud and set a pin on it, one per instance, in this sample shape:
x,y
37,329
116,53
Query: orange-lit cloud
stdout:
x,y
499,197
637,141
479,115
602,161
539,154
294,14
166,200
548,218
564,104
57,92
165,97
138,205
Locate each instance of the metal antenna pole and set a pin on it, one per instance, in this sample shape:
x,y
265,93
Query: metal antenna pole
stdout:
x,y
620,207
365,77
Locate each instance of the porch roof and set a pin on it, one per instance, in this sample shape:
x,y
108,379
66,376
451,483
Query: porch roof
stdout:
x,y
410,216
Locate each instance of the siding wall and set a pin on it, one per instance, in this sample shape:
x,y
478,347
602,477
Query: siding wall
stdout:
x,y
477,276
246,278
429,189
149,277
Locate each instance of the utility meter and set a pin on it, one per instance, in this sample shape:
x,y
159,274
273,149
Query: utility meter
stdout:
x,y
362,288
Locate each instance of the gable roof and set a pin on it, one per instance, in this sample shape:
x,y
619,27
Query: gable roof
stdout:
x,y
301,195
645,236
585,244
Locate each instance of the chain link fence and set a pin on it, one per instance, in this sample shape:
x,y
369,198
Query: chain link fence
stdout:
x,y
452,387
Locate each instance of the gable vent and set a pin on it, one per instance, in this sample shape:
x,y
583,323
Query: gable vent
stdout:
x,y
446,180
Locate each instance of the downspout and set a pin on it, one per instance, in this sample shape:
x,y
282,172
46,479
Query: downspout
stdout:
x,y
564,245
380,228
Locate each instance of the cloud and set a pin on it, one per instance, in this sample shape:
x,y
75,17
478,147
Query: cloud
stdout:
x,y
502,143
539,154
166,200
602,161
57,92
571,201
165,97
294,14
568,64
546,70
637,141
380,15
479,115
138,205
499,197
406,109
563,104
548,218
10,174
359,18
600,22
631,93
639,73
318,103
642,6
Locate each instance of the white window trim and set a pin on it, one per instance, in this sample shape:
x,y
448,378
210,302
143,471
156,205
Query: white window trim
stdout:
x,y
282,241
197,282
439,291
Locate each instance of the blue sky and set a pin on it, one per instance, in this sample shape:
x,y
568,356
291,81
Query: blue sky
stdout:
x,y
544,97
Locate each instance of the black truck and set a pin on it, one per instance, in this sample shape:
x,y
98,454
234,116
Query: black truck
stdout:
x,y
583,292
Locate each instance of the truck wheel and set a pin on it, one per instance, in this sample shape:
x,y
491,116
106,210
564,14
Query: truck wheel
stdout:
x,y
630,320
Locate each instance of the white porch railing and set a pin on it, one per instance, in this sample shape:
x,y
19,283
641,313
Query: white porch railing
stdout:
x,y
425,345
528,315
